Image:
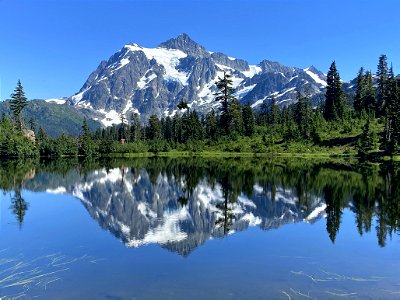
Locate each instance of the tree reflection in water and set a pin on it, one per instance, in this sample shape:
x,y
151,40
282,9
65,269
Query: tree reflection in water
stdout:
x,y
369,191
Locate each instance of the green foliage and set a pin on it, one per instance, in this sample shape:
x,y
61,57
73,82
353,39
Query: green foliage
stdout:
x,y
367,141
17,104
382,89
13,142
225,95
248,120
334,98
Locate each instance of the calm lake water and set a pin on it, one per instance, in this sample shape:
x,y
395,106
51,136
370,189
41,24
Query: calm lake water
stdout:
x,y
199,229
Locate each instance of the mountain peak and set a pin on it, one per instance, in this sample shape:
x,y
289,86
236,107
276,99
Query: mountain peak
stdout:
x,y
184,43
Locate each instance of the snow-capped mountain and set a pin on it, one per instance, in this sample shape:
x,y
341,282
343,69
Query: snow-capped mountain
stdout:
x,y
149,81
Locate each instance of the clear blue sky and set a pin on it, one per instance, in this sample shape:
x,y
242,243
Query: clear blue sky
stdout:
x,y
53,45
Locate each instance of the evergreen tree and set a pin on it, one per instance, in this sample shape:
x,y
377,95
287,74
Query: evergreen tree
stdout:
x,y
360,90
211,125
273,117
86,144
368,101
182,105
263,116
381,92
122,128
303,115
32,124
17,104
392,115
367,141
236,118
225,95
334,99
168,129
248,120
41,136
154,128
135,128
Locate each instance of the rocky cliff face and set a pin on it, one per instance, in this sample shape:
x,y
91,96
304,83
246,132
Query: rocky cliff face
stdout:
x,y
154,80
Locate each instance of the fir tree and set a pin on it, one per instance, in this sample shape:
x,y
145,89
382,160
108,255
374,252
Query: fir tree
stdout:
x,y
135,128
248,120
367,141
211,125
303,115
182,105
334,99
236,118
168,129
32,124
122,128
273,117
225,95
17,104
86,145
368,100
381,92
392,115
360,90
154,128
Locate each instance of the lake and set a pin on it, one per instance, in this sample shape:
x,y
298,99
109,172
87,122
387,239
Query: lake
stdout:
x,y
199,228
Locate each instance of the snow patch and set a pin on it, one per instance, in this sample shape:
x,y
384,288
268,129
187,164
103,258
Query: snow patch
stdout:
x,y
58,190
315,77
316,212
56,101
254,70
169,58
145,80
110,118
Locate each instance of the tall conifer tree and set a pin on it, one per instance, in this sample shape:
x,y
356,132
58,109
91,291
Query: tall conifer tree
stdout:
x,y
17,104
381,92
334,99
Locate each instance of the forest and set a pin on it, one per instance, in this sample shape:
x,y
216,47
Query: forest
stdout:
x,y
364,124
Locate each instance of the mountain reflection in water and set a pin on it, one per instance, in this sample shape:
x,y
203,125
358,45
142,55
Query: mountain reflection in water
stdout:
x,y
182,203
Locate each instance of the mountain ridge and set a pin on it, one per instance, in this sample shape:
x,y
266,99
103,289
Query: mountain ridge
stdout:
x,y
149,81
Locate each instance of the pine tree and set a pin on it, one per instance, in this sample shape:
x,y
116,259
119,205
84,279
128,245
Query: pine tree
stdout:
x,y
168,129
32,124
17,104
122,128
273,117
303,115
248,120
360,90
154,128
263,115
334,99
368,100
225,95
367,141
41,135
381,92
135,128
211,125
182,105
236,118
392,115
86,145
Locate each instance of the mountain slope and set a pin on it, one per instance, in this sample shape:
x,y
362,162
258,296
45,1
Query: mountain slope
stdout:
x,y
154,80
54,117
